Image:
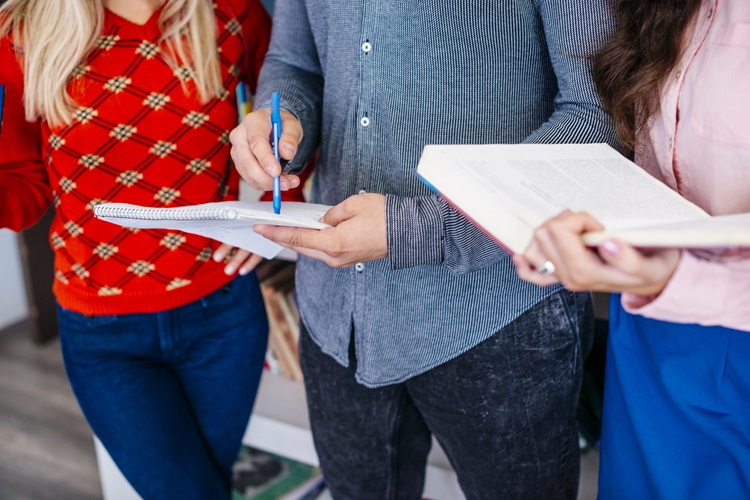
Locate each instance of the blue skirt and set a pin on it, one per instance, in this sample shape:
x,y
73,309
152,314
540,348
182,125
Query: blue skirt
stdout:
x,y
676,421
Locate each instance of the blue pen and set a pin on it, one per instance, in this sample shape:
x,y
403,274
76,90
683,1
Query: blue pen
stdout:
x,y
276,125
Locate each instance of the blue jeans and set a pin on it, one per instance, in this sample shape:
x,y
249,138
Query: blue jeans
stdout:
x,y
504,412
169,394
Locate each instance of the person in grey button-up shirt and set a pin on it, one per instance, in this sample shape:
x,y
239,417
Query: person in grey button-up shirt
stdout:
x,y
403,289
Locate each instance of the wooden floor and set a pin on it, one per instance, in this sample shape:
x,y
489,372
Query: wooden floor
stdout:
x,y
46,447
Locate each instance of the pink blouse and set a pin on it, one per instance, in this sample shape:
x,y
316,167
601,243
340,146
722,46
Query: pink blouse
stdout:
x,y
699,144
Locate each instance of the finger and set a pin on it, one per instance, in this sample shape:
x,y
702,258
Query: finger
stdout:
x,y
291,135
341,212
647,273
527,272
249,139
250,264
560,240
295,237
318,255
289,181
221,253
236,261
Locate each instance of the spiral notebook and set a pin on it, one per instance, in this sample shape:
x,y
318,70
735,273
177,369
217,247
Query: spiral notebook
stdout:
x,y
229,222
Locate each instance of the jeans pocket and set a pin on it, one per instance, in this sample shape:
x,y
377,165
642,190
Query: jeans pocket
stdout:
x,y
83,332
552,324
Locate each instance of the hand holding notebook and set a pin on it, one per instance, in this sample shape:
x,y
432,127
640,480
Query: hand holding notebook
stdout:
x,y
229,222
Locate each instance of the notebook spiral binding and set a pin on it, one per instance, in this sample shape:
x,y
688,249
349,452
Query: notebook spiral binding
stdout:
x,y
179,213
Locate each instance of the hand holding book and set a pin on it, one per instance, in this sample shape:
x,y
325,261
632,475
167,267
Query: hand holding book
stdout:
x,y
611,267
624,229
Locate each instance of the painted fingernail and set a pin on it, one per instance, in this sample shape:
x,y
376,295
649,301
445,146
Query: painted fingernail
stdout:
x,y
229,270
218,257
611,248
244,271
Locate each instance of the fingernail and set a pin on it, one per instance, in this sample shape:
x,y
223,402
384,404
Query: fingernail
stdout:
x,y
611,248
218,257
271,170
288,149
229,270
295,183
244,271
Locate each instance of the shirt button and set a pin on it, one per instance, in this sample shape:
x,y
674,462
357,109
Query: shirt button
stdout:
x,y
670,142
359,267
362,191
679,74
710,12
364,121
366,47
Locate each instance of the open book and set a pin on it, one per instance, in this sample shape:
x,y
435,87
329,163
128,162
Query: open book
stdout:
x,y
227,221
510,189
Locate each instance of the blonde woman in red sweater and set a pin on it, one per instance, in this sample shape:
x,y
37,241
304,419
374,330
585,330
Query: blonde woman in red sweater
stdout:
x,y
132,101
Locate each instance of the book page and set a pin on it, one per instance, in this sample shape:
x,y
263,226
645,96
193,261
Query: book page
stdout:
x,y
724,232
235,232
508,190
579,177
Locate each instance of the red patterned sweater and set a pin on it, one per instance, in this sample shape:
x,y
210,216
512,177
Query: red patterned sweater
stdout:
x,y
139,135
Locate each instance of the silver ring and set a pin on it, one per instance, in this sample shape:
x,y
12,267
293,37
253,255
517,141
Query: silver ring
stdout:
x,y
546,269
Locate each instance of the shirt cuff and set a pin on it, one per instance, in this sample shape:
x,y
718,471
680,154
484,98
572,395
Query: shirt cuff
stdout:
x,y
415,231
679,296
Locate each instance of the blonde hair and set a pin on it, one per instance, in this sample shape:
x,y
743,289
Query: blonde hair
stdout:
x,y
57,35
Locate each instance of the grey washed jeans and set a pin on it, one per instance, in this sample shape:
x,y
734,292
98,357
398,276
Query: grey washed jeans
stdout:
x,y
504,412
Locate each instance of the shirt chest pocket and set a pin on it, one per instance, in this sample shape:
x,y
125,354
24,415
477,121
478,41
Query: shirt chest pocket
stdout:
x,y
720,82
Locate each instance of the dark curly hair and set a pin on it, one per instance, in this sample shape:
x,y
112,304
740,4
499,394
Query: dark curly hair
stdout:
x,y
631,69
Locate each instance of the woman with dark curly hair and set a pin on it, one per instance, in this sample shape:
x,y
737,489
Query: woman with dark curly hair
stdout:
x,y
676,79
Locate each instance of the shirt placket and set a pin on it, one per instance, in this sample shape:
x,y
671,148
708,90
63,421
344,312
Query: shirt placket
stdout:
x,y
365,125
673,96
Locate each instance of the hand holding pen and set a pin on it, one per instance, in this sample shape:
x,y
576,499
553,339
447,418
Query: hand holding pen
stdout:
x,y
276,138
253,153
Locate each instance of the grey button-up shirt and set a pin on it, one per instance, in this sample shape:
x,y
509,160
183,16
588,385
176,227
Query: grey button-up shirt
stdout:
x,y
372,82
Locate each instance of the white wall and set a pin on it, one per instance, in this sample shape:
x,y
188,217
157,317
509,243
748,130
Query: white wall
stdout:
x,y
13,305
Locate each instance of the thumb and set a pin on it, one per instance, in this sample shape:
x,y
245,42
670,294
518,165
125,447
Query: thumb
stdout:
x,y
620,255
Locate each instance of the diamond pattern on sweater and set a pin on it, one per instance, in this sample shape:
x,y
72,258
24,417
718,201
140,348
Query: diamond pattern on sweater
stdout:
x,y
141,268
106,42
177,283
84,115
104,250
129,178
198,166
123,132
90,161
147,49
117,84
56,142
162,148
173,241
67,185
195,119
156,100
147,140
167,195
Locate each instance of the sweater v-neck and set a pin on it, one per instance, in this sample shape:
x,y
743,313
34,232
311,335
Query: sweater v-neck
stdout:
x,y
150,27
